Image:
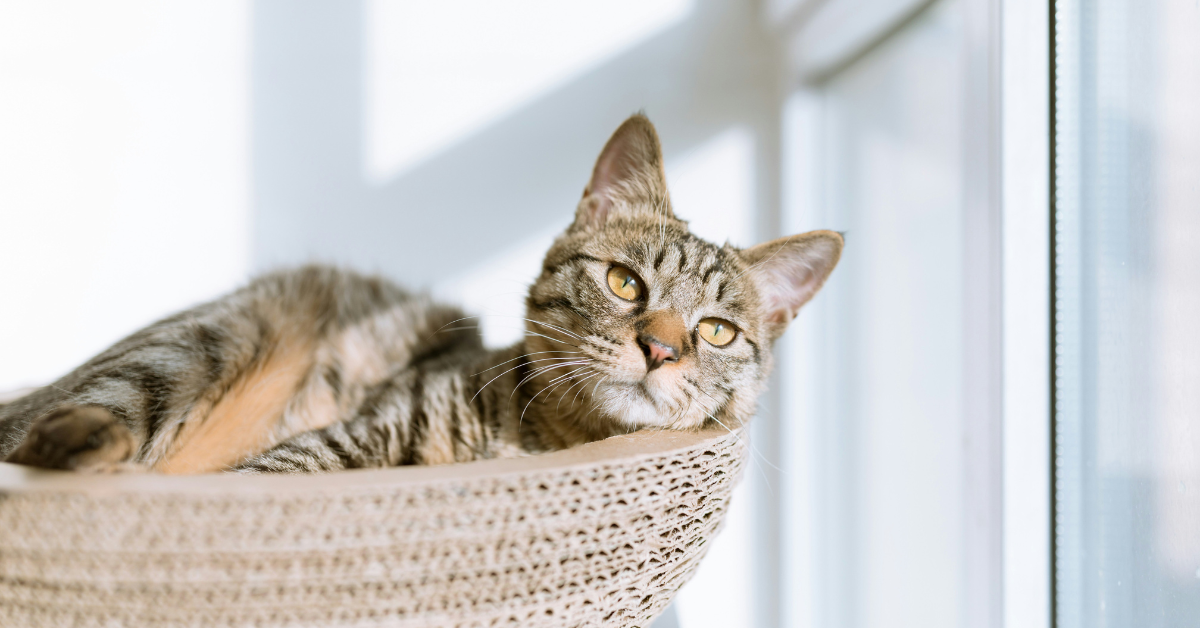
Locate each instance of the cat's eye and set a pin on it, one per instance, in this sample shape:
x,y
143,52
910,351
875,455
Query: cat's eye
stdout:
x,y
624,283
717,332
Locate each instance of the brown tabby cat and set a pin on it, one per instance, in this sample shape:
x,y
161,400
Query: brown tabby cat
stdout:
x,y
633,323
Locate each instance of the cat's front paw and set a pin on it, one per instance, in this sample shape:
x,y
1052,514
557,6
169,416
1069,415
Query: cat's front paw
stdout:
x,y
82,438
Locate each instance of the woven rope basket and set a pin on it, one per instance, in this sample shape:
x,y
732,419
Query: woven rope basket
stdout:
x,y
598,535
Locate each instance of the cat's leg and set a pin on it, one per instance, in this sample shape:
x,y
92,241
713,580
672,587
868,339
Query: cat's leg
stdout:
x,y
103,415
136,400
129,403
417,417
358,443
189,384
77,437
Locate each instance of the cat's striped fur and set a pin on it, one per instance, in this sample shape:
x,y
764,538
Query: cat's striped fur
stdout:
x,y
318,369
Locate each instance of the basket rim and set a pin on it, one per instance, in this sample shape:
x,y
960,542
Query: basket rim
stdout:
x,y
615,451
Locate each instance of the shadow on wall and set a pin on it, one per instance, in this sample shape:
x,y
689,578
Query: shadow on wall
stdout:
x,y
312,199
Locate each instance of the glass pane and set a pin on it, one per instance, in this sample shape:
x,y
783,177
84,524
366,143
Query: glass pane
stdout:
x,y
1128,313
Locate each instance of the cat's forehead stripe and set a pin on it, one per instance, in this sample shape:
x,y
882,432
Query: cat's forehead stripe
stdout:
x,y
552,266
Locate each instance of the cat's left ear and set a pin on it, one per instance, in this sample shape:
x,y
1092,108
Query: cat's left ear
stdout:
x,y
628,177
789,271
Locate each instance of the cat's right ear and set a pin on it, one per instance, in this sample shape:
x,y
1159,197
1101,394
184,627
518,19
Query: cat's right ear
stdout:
x,y
628,177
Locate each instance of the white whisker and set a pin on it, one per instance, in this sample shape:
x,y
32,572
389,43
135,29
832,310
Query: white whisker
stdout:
x,y
505,373
554,327
766,480
521,419
525,356
764,261
568,375
582,384
543,369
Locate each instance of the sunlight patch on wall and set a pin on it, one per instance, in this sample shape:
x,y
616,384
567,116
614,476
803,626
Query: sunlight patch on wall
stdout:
x,y
436,72
123,171
712,188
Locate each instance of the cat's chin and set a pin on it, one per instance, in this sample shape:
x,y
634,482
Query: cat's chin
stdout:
x,y
641,404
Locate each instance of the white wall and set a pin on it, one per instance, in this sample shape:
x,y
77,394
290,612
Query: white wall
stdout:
x,y
124,183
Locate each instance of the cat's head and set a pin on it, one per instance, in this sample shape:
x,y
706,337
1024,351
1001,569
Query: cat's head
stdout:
x,y
639,323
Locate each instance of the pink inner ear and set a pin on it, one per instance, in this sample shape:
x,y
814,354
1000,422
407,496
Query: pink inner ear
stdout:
x,y
608,169
786,289
628,172
622,163
790,272
612,168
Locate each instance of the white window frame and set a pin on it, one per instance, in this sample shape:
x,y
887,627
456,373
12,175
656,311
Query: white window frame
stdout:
x,y
1026,149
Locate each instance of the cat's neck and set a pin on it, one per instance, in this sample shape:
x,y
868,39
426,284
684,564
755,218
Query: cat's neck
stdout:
x,y
532,401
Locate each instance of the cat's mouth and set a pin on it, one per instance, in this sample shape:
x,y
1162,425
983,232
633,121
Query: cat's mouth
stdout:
x,y
651,402
635,396
647,387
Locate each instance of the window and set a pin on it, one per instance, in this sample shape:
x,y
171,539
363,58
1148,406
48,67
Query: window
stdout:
x,y
1127,342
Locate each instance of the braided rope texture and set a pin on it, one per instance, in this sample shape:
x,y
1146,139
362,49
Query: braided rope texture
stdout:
x,y
602,539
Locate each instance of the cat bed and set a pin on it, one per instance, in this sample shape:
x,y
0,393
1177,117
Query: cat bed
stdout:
x,y
598,535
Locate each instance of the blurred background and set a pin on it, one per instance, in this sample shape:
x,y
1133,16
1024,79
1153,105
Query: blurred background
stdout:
x,y
989,417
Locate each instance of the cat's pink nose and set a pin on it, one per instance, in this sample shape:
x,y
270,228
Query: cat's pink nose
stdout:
x,y
656,352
